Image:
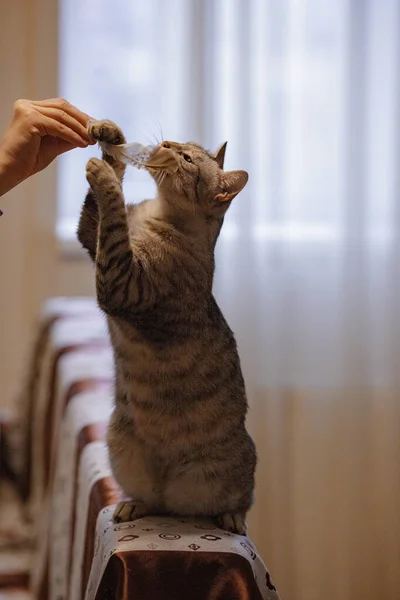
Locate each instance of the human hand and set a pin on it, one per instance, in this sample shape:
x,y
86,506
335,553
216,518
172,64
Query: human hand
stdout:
x,y
38,133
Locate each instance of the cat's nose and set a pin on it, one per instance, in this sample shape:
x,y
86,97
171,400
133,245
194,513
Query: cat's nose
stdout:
x,y
166,145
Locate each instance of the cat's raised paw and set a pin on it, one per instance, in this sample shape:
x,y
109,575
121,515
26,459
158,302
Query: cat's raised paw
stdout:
x,y
101,176
129,511
106,131
232,522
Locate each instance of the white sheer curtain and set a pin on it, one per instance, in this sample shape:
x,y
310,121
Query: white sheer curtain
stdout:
x,y
307,94
131,62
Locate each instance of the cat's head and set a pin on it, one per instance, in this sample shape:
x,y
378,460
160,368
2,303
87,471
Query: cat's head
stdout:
x,y
194,179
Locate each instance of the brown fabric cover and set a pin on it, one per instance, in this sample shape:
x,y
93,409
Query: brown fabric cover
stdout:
x,y
90,433
27,405
159,575
54,427
104,492
14,580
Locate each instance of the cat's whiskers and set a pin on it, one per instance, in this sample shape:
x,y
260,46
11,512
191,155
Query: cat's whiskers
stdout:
x,y
150,141
159,176
161,131
155,137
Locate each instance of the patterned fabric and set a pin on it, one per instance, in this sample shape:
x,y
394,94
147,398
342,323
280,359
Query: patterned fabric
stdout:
x,y
191,541
63,467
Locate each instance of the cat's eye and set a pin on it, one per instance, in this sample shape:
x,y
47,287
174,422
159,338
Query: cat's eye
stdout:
x,y
187,158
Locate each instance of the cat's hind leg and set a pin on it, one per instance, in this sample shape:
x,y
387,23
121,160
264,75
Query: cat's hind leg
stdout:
x,y
133,471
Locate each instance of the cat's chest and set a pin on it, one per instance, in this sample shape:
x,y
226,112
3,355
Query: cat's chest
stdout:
x,y
136,229
138,214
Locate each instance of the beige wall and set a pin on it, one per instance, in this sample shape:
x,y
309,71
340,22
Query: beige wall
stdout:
x,y
31,268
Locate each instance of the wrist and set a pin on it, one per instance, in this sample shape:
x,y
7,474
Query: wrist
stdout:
x,y
8,174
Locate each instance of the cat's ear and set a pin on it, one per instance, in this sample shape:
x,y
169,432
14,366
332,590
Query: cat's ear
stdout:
x,y
220,155
232,183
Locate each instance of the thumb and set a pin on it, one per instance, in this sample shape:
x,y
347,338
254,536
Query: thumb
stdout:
x,y
64,146
50,148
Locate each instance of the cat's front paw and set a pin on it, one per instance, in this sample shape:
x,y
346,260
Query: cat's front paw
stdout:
x,y
102,178
129,511
106,131
234,523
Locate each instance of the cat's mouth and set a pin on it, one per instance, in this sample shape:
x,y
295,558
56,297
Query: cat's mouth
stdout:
x,y
162,163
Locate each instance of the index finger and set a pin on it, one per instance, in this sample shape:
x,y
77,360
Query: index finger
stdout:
x,y
64,105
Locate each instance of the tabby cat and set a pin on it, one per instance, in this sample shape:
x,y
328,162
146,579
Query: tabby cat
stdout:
x,y
177,438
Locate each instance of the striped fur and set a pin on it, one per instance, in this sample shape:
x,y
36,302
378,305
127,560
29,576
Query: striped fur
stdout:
x,y
177,437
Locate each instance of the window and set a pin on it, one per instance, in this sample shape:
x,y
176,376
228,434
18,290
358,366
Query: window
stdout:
x,y
125,61
285,82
